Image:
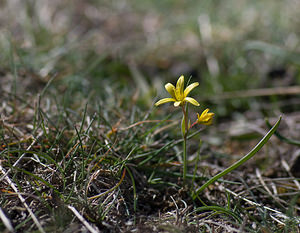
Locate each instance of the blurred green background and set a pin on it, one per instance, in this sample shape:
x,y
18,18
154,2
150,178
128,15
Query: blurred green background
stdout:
x,y
129,49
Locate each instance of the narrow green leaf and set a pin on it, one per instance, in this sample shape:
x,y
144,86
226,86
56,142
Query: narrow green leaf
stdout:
x,y
241,161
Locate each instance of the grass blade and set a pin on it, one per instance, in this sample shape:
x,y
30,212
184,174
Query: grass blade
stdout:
x,y
218,209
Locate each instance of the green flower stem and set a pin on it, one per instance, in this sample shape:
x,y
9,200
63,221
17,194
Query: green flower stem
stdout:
x,y
184,160
184,135
241,161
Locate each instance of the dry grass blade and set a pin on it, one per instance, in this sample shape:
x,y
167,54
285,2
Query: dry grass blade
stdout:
x,y
224,227
263,183
6,221
13,129
288,169
84,222
13,186
177,211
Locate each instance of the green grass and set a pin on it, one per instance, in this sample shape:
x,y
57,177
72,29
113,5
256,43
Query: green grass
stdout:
x,y
79,130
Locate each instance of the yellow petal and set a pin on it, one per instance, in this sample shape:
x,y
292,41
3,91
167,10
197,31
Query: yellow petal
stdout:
x,y
189,88
208,122
177,103
210,115
204,112
192,101
179,88
165,100
171,89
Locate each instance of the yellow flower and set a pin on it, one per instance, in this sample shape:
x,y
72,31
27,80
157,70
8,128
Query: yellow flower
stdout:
x,y
206,118
179,96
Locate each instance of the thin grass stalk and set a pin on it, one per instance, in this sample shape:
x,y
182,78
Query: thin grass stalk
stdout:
x,y
184,129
